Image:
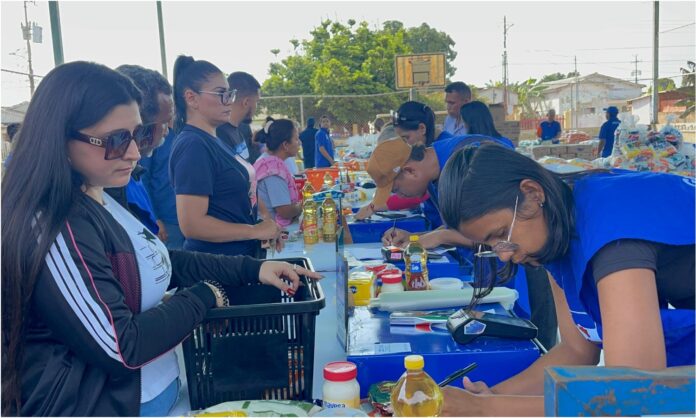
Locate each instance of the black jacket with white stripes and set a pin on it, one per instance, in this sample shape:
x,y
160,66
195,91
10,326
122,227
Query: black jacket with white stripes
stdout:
x,y
87,338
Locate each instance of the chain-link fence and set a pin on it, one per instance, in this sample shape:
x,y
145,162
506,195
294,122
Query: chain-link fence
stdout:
x,y
350,114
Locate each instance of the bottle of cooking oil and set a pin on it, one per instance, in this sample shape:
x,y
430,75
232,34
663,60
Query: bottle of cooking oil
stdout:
x,y
329,211
328,182
307,191
310,222
416,394
416,259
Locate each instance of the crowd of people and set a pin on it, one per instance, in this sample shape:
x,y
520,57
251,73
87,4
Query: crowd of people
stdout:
x,y
142,187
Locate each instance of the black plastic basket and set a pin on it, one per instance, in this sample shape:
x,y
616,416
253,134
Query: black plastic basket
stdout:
x,y
261,347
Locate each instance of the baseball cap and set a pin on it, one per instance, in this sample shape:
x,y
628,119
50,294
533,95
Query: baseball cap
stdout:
x,y
612,110
385,164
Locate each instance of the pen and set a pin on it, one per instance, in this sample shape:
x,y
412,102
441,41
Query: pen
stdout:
x,y
456,375
392,232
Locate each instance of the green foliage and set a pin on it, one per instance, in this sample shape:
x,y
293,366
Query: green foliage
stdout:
x,y
348,59
687,87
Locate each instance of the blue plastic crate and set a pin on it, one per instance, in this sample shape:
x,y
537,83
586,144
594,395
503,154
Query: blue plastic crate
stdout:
x,y
371,231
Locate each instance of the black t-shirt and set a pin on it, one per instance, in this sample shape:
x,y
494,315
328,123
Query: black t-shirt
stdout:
x,y
673,266
200,166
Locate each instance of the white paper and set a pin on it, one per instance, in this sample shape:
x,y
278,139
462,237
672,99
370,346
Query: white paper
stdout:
x,y
366,253
377,349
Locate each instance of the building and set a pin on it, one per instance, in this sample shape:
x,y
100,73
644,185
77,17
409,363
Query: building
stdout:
x,y
667,104
494,95
588,94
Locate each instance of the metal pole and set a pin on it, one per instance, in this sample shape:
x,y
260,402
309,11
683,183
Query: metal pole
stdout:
x,y
577,93
163,51
27,28
412,94
302,118
656,62
56,35
505,81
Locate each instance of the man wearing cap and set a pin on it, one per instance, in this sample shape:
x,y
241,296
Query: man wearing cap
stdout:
x,y
606,133
409,171
550,130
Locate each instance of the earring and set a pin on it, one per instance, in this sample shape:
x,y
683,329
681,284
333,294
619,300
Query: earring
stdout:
x,y
541,204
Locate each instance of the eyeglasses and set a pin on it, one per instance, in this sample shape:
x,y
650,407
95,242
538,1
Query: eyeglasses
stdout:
x,y
226,97
117,142
501,246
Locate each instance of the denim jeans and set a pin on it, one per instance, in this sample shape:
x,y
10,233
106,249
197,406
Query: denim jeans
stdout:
x,y
160,405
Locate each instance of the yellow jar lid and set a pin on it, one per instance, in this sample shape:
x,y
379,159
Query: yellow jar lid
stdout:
x,y
414,238
414,362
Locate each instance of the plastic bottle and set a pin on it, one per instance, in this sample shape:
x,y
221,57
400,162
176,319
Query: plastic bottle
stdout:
x,y
341,389
392,283
310,222
307,191
416,394
416,265
328,182
329,210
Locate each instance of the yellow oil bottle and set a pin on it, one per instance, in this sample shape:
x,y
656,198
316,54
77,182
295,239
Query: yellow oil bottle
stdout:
x,y
416,394
310,222
330,213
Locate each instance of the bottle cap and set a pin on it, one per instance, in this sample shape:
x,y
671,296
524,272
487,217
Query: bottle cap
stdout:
x,y
340,371
413,238
414,362
393,278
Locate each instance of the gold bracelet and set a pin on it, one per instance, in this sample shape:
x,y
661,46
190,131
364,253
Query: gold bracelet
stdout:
x,y
221,299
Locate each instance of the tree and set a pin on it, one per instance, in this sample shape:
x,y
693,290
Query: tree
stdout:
x,y
347,59
424,39
687,87
529,96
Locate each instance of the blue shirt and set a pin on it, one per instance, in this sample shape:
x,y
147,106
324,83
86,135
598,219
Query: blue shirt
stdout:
x,y
606,133
156,181
549,130
323,139
136,195
199,165
307,137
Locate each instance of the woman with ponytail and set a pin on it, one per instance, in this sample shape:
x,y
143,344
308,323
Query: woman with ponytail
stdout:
x,y
276,183
207,177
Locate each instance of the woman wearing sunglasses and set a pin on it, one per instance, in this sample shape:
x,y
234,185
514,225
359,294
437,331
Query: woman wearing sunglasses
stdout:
x,y
85,330
619,250
208,179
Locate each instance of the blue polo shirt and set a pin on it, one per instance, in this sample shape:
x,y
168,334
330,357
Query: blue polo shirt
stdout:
x,y
156,181
199,165
549,130
444,147
323,139
606,132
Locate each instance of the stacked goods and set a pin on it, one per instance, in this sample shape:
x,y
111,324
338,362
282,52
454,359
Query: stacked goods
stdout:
x,y
574,137
566,152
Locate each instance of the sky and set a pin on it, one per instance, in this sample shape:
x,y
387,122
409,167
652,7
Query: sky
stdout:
x,y
545,37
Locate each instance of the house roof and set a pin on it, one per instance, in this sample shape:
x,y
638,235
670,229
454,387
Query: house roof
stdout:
x,y
595,77
663,95
15,113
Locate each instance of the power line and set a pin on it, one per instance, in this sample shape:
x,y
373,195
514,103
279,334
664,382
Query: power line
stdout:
x,y
636,47
678,27
20,73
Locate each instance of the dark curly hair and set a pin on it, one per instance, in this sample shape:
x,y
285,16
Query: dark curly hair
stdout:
x,y
151,84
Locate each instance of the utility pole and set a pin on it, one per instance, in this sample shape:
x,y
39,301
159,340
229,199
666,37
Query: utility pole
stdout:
x,y
577,93
26,33
163,52
505,64
656,62
636,72
56,33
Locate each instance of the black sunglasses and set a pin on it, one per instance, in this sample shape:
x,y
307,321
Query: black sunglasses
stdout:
x,y
406,122
226,97
117,142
